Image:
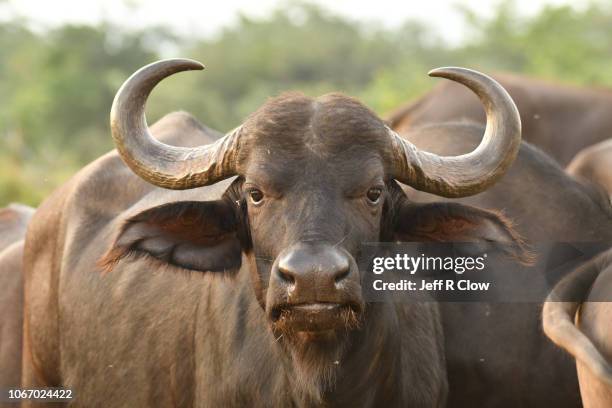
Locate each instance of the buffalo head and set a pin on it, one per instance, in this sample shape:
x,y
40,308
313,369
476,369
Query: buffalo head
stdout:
x,y
316,178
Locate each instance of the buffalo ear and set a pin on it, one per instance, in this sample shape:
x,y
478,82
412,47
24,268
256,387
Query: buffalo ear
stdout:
x,y
454,222
200,236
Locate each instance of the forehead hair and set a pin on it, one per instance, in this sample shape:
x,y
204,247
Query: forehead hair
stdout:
x,y
328,125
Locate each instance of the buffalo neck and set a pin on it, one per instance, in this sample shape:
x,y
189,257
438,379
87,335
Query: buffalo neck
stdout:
x,y
366,373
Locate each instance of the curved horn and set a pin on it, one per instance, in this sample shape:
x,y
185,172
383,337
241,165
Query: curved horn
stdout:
x,y
166,166
468,174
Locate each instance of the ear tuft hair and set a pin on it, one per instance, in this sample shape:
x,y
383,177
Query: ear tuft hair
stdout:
x,y
448,222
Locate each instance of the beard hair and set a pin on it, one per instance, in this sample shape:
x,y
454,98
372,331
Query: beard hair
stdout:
x,y
315,356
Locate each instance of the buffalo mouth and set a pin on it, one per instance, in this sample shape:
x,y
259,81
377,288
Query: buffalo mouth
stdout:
x,y
313,318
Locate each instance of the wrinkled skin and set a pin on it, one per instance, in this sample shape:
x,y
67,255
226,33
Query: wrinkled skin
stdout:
x,y
13,222
594,164
559,119
577,318
497,354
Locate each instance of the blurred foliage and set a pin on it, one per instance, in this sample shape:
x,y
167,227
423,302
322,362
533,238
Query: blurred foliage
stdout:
x,y
57,86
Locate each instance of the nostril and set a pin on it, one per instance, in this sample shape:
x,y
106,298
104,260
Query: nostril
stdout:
x,y
342,275
286,276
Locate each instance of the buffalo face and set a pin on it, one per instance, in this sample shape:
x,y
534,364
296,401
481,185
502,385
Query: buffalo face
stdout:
x,y
311,202
316,180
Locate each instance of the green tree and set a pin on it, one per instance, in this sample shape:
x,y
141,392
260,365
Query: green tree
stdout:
x,y
57,85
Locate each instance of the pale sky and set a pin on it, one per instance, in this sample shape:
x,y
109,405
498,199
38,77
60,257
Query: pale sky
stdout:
x,y
200,17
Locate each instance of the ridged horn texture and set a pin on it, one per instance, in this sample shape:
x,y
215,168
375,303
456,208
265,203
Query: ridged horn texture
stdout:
x,y
468,174
171,167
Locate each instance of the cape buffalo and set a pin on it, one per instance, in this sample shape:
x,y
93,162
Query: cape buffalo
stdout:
x,y
246,292
13,222
578,317
594,164
497,354
559,119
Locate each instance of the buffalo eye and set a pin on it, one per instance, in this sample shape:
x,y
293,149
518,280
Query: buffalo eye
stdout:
x,y
374,194
256,196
